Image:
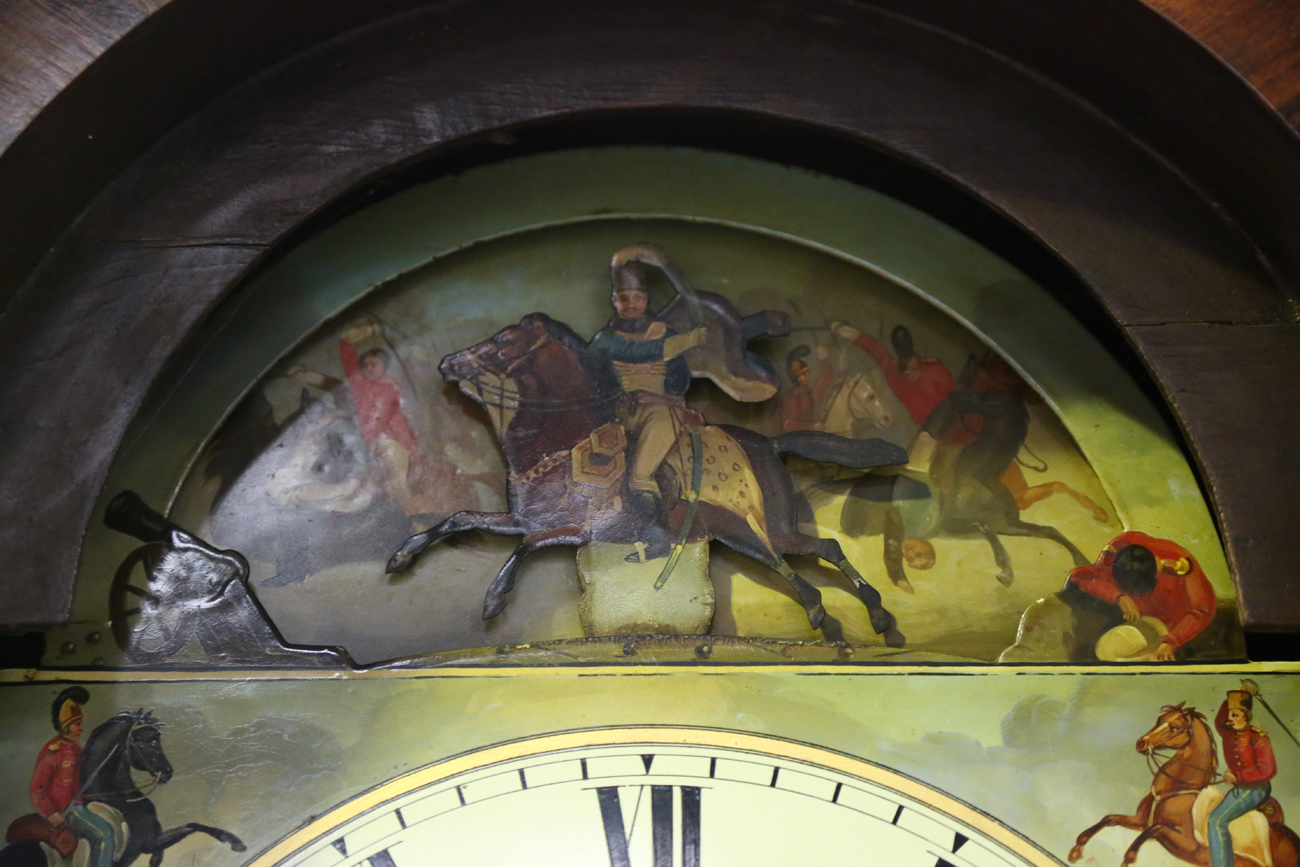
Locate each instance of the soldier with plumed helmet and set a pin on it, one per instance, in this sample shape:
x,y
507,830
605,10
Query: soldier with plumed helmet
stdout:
x,y
56,783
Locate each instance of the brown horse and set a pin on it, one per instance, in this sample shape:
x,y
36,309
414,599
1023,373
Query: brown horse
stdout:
x,y
546,393
1165,814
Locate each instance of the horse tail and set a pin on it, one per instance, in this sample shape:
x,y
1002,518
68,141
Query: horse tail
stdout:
x,y
831,448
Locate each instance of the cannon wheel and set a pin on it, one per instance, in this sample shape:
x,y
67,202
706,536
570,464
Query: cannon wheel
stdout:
x,y
141,627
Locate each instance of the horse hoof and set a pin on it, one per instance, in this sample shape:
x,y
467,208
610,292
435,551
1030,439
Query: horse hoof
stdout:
x,y
894,638
237,845
881,620
493,607
816,615
1005,578
905,586
405,555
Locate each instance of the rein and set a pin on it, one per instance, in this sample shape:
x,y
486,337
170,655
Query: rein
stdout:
x,y
511,401
1158,771
140,792
1041,467
497,397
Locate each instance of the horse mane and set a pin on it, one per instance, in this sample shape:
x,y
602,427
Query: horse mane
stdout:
x,y
599,374
1185,711
126,718
1197,717
106,740
557,330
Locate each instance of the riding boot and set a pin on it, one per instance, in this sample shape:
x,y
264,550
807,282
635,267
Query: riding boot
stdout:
x,y
648,507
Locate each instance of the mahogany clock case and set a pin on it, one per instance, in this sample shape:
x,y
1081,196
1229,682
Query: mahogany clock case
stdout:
x,y
1093,147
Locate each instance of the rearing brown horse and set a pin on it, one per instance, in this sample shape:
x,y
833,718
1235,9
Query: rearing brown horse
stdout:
x,y
546,393
1165,814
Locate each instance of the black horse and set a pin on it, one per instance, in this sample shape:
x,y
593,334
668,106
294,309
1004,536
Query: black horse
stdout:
x,y
973,500
130,740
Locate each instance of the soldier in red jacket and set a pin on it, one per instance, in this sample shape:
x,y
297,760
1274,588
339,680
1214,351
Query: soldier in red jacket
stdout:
x,y
56,782
1249,757
920,383
384,424
1152,577
801,406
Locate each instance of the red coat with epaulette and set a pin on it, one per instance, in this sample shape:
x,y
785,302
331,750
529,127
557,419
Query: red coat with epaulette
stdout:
x,y
57,777
1248,753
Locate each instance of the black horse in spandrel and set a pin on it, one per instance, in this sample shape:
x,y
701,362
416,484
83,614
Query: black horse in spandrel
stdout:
x,y
129,741
547,394
973,499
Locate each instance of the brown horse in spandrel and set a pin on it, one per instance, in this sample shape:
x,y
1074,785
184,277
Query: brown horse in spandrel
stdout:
x,y
1189,766
551,400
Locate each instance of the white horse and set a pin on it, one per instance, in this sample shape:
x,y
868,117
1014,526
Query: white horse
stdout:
x,y
855,398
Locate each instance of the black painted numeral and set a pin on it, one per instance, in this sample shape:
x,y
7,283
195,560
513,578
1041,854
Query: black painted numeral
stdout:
x,y
661,823
690,826
611,814
661,817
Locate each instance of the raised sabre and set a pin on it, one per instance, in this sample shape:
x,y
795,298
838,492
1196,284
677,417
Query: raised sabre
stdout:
x,y
1250,686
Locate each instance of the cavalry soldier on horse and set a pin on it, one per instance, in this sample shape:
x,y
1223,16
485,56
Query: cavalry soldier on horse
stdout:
x,y
1186,812
1249,756
561,407
56,783
646,357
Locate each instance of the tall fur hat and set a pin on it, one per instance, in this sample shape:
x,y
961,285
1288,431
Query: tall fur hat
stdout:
x,y
1240,699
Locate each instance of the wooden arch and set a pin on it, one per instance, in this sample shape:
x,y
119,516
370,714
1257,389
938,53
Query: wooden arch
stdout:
x,y
154,183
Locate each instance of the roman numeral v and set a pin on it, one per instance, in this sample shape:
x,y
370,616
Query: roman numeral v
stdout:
x,y
617,836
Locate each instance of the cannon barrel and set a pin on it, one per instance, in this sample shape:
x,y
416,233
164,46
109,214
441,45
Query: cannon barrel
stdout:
x,y
128,513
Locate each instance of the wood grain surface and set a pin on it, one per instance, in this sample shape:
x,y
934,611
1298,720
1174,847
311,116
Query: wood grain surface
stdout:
x,y
1202,363
45,44
1260,39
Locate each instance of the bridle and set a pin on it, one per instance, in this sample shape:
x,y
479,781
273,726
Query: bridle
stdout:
x,y
496,396
1165,753
133,752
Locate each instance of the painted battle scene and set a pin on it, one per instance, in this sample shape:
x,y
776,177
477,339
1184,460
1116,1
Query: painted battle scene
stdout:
x,y
564,419
1154,769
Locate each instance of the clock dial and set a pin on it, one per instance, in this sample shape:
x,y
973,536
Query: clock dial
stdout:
x,y
666,797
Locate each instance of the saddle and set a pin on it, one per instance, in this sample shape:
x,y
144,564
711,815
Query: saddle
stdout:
x,y
36,827
1250,834
1272,811
727,478
62,847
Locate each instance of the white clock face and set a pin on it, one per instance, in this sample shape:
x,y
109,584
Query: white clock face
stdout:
x,y
654,797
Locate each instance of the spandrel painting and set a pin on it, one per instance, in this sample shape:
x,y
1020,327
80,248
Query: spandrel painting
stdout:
x,y
523,416
924,493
